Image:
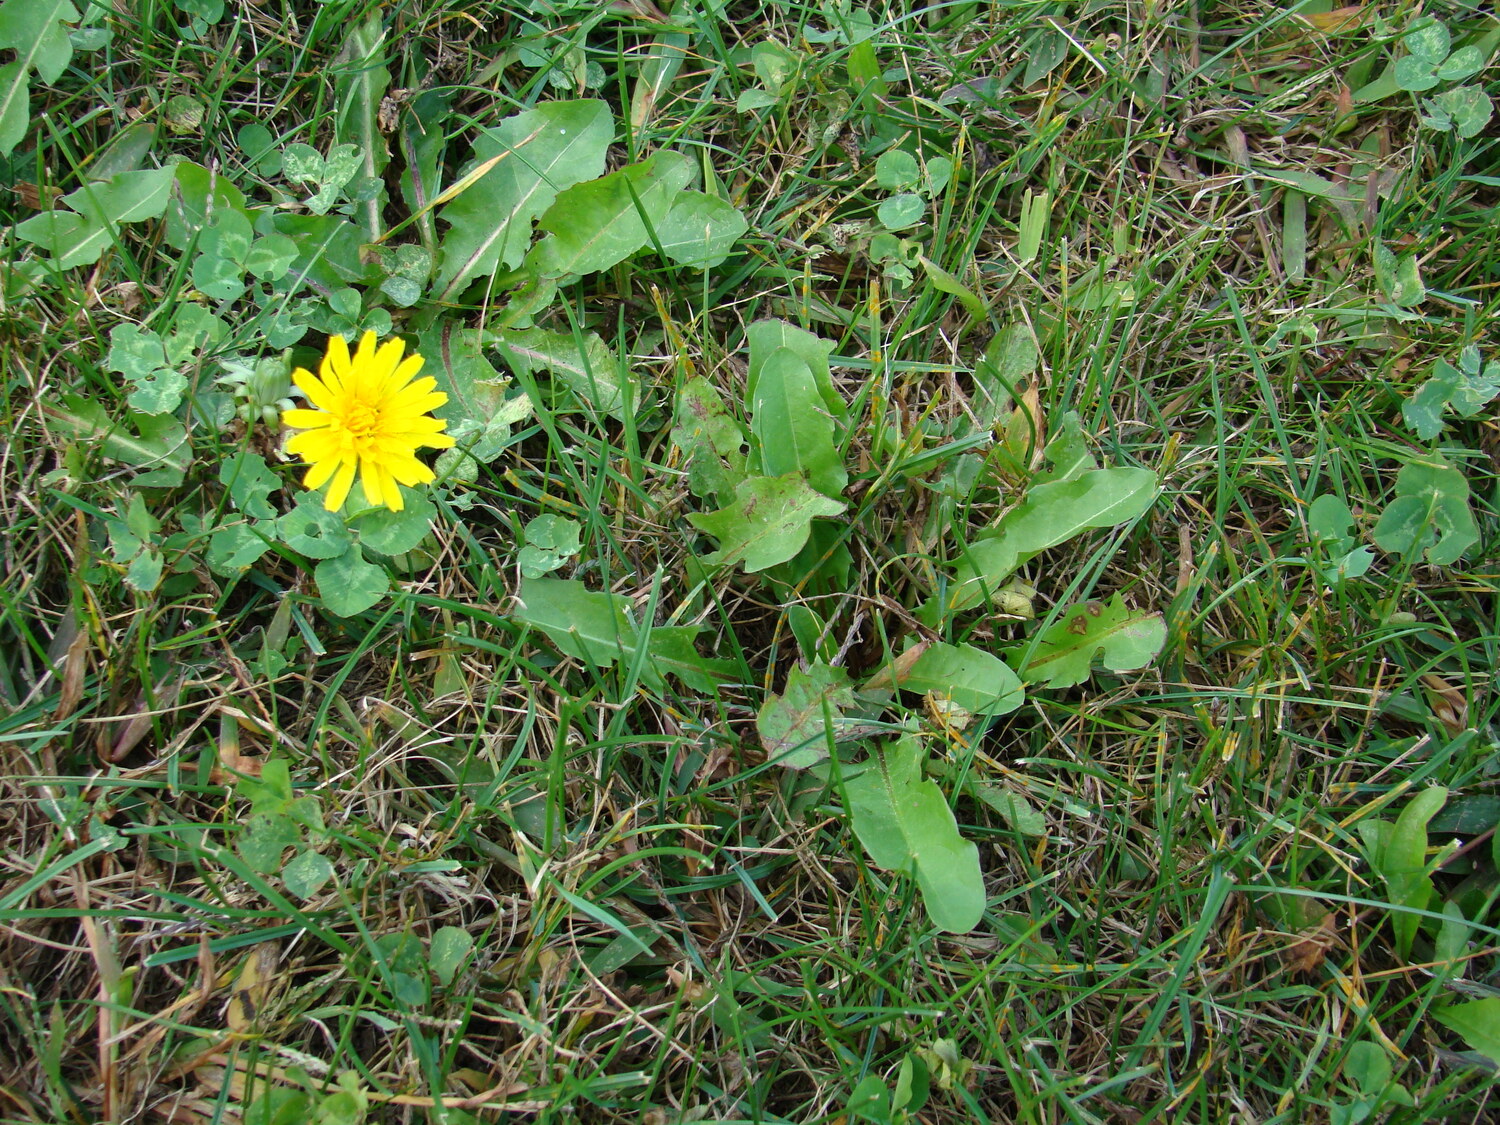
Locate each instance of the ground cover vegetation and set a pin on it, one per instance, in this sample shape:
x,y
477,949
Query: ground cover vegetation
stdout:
x,y
938,563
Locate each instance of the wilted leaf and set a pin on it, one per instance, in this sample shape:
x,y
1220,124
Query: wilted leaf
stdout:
x,y
792,726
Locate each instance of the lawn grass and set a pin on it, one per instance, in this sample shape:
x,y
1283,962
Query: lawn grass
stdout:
x,y
514,875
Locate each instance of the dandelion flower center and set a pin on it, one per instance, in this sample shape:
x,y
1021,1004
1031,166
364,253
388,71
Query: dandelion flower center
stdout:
x,y
368,415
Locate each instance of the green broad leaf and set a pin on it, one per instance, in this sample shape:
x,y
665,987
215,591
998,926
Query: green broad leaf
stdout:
x,y
897,170
198,195
144,571
455,358
794,726
313,531
1018,812
155,442
968,677
135,351
593,626
1063,655
361,80
659,68
792,431
36,30
1368,1067
526,160
1430,514
904,823
15,105
700,230
711,440
449,950
424,142
586,367
81,236
348,584
306,875
1051,514
1398,854
671,651
1428,39
1415,74
870,1101
235,547
752,99
1465,109
1329,519
266,837
395,533
1478,1022
1067,453
598,224
901,211
945,282
765,336
250,482
1401,277
767,524
774,64
270,257
1461,64
1009,360
550,541
328,251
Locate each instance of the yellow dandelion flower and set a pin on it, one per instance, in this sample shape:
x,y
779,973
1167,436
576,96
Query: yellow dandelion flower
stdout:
x,y
369,415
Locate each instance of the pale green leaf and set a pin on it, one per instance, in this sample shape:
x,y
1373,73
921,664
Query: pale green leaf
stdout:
x,y
792,725
348,584
970,678
361,80
36,31
768,523
395,533
901,211
313,531
589,625
586,366
1478,1021
904,823
793,434
595,225
234,547
700,230
671,651
765,336
1430,514
1063,655
712,441
1051,514
945,282
449,950
531,157
158,442
306,874
897,170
